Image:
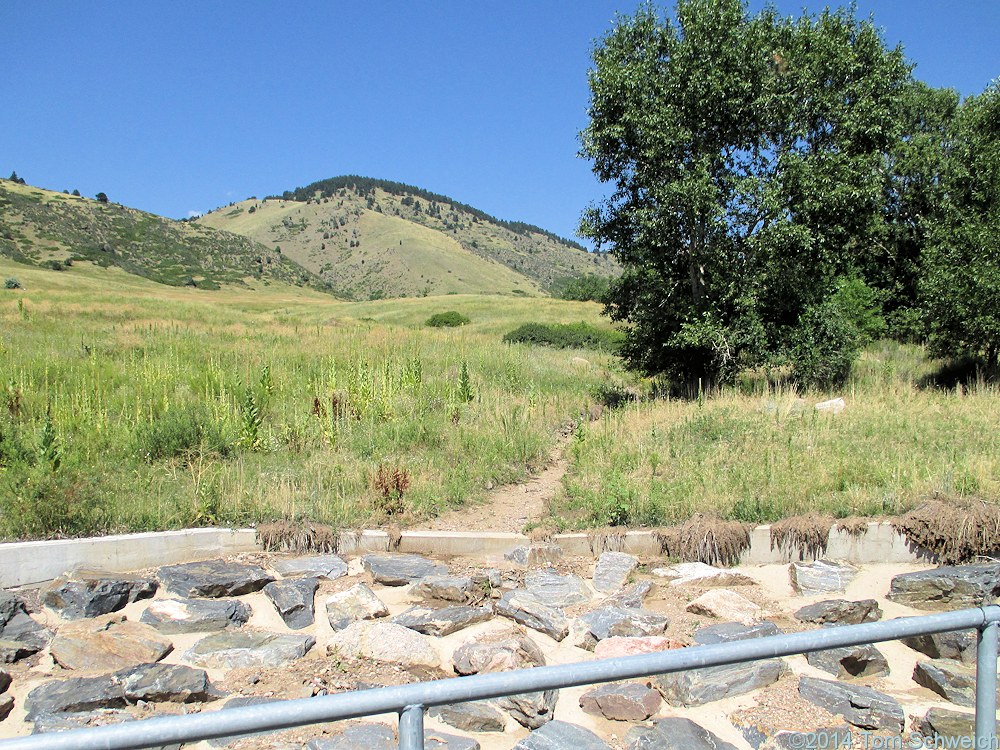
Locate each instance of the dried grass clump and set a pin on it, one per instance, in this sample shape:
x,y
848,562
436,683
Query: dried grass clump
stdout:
x,y
706,539
808,534
610,539
956,530
297,536
855,525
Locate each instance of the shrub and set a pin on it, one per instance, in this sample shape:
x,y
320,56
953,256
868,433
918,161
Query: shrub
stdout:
x,y
12,283
450,319
565,335
180,432
586,288
824,347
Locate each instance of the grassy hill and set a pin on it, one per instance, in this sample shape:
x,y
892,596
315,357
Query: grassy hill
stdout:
x,y
55,230
374,238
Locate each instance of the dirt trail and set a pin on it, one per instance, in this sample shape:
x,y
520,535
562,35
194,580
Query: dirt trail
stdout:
x,y
510,507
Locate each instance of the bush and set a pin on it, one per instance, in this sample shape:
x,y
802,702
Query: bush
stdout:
x,y
12,283
824,346
450,319
180,432
586,288
565,335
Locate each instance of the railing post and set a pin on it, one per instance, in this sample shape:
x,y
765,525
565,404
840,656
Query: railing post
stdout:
x,y
411,728
986,686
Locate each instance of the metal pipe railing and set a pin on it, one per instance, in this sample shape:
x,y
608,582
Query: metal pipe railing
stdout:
x,y
410,701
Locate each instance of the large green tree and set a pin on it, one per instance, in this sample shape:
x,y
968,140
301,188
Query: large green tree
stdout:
x,y
747,155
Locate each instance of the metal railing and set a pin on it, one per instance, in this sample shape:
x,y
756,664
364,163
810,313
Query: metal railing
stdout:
x,y
410,701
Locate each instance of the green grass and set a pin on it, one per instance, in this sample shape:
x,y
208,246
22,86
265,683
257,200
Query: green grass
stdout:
x,y
126,405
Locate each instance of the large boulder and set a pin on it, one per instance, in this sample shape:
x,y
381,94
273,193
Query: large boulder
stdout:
x,y
358,737
674,733
328,567
613,570
557,590
20,634
947,728
85,592
530,710
840,612
444,588
441,621
356,603
695,687
213,578
233,649
525,608
295,600
195,615
609,622
399,569
435,740
952,680
107,644
631,596
561,735
621,701
474,716
497,652
821,576
947,587
861,706
386,642
957,644
722,603
174,683
534,555
616,646
700,574
849,662
727,632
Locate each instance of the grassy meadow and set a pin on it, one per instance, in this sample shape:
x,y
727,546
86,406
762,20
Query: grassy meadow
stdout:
x,y
128,405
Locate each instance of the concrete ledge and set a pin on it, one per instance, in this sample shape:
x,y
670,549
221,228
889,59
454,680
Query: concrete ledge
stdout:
x,y
465,543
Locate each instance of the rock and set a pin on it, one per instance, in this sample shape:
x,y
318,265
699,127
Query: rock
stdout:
x,y
861,706
849,662
556,590
726,632
527,609
621,701
328,567
613,570
108,644
947,587
295,600
358,737
213,578
475,716
20,634
357,603
561,735
195,615
497,653
434,740
674,733
610,648
45,723
958,644
834,406
444,588
442,620
950,679
535,555
240,702
399,570
728,604
951,726
5,680
821,576
701,574
234,649
73,695
630,597
88,593
608,622
770,734
695,687
6,706
157,683
840,612
387,642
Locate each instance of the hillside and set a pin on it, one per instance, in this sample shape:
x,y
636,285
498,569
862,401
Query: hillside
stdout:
x,y
374,238
42,227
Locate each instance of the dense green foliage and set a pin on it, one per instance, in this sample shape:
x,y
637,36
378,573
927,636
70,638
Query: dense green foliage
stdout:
x,y
565,336
450,319
588,287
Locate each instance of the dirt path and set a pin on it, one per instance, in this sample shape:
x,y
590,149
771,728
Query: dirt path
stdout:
x,y
510,507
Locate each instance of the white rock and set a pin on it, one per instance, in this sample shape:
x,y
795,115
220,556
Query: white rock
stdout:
x,y
834,405
386,642
726,605
702,574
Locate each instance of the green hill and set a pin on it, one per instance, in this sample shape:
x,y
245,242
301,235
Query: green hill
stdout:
x,y
375,238
46,228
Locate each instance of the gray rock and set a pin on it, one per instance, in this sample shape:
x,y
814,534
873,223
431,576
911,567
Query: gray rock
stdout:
x,y
958,644
233,649
840,612
527,609
20,634
240,702
557,590
608,622
947,587
158,683
195,615
497,654
399,570
695,687
726,632
613,570
630,597
295,600
535,555
73,696
770,734
530,710
357,603
850,661
442,621
6,706
434,740
954,727
621,701
5,680
444,588
700,574
821,576
860,706
358,737
89,593
475,716
328,567
64,722
950,679
674,733
213,578
561,735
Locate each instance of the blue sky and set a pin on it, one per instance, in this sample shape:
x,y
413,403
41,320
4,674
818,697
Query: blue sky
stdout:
x,y
180,107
